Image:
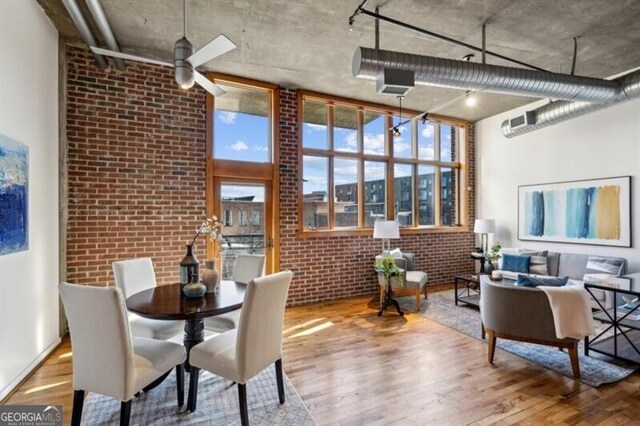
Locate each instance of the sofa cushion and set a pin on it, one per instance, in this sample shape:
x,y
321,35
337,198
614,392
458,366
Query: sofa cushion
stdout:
x,y
516,263
573,265
605,265
538,263
529,281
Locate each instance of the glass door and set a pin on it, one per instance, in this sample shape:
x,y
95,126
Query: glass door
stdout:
x,y
244,209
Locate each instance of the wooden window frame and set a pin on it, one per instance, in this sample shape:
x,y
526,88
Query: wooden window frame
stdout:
x,y
460,167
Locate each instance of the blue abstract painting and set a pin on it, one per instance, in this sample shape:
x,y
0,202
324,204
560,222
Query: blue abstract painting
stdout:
x,y
594,211
14,196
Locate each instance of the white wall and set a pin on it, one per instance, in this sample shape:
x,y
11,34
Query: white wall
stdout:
x,y
597,145
29,114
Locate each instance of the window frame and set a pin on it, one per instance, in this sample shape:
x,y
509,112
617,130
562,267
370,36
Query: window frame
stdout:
x,y
460,166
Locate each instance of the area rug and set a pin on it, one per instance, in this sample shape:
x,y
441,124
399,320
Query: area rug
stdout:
x,y
595,369
217,404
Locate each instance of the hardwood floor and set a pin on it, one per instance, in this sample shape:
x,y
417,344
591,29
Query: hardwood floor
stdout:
x,y
352,367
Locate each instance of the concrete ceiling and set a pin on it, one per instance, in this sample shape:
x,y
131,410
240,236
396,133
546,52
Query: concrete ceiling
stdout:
x,y
307,43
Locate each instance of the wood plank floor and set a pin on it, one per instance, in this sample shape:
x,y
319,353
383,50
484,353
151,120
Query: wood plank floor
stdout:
x,y
352,367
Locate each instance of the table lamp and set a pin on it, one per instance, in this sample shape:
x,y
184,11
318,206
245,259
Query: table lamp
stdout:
x,y
386,229
484,227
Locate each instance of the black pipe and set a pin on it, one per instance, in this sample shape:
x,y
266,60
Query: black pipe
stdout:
x,y
445,38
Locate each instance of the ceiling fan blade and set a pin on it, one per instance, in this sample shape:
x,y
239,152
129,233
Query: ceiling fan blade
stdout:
x,y
216,47
114,54
208,85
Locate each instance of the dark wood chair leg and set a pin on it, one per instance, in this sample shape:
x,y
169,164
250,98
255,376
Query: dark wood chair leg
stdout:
x,y
575,362
125,412
425,291
78,402
242,397
180,383
492,345
193,389
280,381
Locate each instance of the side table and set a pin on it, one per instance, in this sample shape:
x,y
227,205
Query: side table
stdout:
x,y
467,289
624,343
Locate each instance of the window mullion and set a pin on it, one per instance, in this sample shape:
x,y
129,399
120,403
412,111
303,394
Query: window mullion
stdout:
x,y
437,192
331,194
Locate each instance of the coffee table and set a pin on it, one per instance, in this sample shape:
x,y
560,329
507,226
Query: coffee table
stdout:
x,y
467,289
625,341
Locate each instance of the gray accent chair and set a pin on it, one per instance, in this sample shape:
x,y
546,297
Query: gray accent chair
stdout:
x,y
522,314
415,282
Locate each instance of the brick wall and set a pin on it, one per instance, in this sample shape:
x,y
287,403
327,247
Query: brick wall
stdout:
x,y
137,188
328,267
136,168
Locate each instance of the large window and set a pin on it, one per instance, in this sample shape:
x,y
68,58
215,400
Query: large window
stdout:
x,y
355,170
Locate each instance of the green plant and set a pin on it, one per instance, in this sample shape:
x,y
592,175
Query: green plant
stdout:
x,y
494,253
388,268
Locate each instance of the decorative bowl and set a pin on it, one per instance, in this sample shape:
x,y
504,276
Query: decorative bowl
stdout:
x,y
194,290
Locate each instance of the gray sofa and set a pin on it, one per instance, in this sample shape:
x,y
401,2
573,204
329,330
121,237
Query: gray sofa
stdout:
x,y
576,266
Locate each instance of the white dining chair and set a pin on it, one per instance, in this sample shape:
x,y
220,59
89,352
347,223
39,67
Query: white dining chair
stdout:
x,y
106,359
245,268
133,276
241,353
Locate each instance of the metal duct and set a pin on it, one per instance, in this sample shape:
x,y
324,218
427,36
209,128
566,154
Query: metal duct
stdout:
x,y
83,29
369,63
95,7
557,112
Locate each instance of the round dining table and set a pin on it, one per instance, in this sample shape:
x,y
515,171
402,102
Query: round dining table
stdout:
x,y
166,302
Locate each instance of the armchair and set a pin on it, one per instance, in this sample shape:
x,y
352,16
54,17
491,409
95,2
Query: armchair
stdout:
x,y
521,314
414,281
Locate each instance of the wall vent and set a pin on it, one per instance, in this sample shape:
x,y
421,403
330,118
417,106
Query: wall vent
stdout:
x,y
395,82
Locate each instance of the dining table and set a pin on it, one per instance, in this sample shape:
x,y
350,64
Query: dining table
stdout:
x,y
166,302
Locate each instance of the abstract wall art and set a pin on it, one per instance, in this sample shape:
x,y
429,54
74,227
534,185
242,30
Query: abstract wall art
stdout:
x,y
596,211
14,196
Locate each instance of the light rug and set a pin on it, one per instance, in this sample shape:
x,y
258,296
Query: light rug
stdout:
x,y
595,369
217,404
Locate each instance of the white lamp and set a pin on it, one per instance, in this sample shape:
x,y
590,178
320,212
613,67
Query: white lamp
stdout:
x,y
386,229
484,227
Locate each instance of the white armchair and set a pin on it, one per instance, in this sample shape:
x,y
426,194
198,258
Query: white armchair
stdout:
x,y
241,353
106,359
245,268
133,276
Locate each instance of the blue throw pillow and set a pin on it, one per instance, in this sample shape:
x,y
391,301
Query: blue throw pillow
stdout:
x,y
516,263
528,281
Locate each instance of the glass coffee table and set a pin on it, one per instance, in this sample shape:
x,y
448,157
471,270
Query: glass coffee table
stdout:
x,y
467,289
623,319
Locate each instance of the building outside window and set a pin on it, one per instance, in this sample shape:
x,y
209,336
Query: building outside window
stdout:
x,y
244,218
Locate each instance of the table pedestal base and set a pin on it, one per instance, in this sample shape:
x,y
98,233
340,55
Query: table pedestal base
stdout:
x,y
193,334
389,300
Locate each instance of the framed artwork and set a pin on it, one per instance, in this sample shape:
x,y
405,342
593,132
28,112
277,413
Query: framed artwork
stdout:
x,y
14,196
596,211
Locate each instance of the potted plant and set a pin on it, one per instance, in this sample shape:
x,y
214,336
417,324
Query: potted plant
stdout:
x,y
189,267
389,271
493,255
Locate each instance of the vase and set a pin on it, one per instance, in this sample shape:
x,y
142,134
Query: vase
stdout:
x,y
488,269
193,290
210,275
189,267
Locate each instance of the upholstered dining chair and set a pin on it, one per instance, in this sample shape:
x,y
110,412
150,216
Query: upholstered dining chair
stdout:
x,y
245,268
133,276
241,353
106,359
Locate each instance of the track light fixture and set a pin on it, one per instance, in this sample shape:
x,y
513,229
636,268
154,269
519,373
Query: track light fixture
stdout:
x,y
396,132
425,118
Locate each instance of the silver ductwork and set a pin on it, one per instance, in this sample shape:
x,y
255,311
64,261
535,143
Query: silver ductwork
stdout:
x,y
557,112
97,12
370,63
83,29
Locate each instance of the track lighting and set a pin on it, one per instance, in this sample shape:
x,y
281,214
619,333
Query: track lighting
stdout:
x,y
425,118
396,132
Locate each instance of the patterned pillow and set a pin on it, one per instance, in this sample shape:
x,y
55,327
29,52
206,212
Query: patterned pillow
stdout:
x,y
538,263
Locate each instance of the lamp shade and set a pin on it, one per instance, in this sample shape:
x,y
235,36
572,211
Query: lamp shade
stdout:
x,y
386,229
484,226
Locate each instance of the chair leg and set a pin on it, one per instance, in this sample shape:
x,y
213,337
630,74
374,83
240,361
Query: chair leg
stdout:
x,y
125,412
492,345
180,383
242,398
425,291
418,300
193,389
78,402
280,380
575,362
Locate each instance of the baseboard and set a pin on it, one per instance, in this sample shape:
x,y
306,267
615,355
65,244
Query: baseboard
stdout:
x,y
6,392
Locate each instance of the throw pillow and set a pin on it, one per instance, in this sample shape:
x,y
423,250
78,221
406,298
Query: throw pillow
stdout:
x,y
516,263
538,264
605,265
529,281
395,253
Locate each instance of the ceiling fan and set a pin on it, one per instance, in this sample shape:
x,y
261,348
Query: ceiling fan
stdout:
x,y
184,59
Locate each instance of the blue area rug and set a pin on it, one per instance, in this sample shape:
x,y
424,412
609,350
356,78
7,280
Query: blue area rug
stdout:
x,y
595,369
